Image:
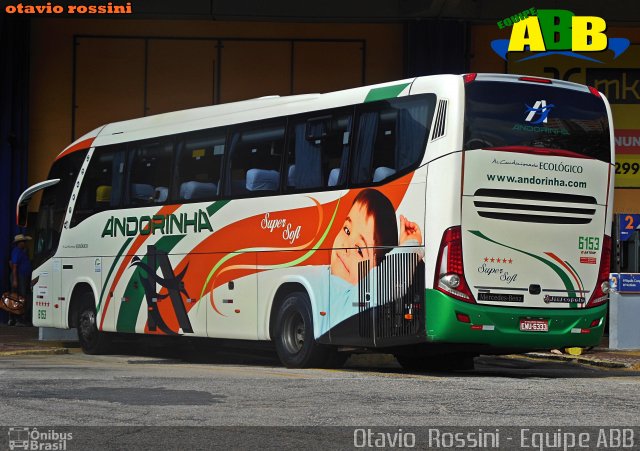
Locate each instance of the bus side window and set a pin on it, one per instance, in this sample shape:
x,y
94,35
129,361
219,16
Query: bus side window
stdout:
x,y
199,165
255,156
391,137
150,165
318,151
102,183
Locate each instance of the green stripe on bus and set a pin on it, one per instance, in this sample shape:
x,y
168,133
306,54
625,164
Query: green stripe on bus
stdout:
x,y
134,292
113,266
563,276
577,273
573,305
388,92
217,205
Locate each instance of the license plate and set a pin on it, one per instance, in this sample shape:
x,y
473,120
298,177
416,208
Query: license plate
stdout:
x,y
534,325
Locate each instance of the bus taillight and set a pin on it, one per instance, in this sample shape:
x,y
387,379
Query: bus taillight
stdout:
x,y
601,293
450,269
468,78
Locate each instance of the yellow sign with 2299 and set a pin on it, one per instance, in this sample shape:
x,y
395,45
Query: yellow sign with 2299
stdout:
x,y
627,171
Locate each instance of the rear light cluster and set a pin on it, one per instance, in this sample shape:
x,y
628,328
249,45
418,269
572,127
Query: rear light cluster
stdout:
x,y
601,293
595,323
468,78
463,317
594,91
450,278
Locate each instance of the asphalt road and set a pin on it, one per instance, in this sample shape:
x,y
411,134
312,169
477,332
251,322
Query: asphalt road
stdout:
x,y
161,387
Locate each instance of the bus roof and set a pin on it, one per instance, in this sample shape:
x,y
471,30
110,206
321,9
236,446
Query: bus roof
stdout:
x,y
260,108
227,114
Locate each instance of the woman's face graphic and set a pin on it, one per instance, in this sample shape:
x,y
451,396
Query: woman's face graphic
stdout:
x,y
353,244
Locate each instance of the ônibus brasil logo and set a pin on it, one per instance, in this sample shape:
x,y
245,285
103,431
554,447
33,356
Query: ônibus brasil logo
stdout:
x,y
545,32
541,108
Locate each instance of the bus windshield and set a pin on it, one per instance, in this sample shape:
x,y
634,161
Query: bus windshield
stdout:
x,y
506,114
53,205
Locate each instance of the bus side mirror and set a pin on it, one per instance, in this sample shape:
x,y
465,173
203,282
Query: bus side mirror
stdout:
x,y
23,201
23,212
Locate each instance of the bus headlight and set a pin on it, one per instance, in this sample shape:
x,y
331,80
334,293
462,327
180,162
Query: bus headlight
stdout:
x,y
605,286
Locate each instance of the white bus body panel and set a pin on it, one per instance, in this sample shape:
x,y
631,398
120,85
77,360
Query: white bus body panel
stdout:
x,y
547,233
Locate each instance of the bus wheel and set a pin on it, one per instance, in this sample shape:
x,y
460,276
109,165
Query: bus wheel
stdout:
x,y
295,344
449,362
91,339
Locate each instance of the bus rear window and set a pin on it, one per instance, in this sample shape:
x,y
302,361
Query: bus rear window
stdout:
x,y
504,114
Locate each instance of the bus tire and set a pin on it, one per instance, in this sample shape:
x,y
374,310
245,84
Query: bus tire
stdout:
x,y
92,341
295,344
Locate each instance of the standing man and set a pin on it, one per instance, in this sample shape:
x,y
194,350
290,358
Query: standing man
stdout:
x,y
21,274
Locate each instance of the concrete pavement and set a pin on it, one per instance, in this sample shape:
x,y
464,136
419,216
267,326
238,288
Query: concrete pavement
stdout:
x,y
24,341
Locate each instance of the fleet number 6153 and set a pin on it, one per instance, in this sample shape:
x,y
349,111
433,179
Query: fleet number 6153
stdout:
x,y
588,243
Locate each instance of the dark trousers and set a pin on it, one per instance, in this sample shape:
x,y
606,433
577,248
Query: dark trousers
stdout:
x,y
24,289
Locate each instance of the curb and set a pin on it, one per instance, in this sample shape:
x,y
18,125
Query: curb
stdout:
x,y
60,343
39,344
50,351
581,360
358,360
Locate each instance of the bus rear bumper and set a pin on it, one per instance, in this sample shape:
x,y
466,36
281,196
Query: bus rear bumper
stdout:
x,y
499,327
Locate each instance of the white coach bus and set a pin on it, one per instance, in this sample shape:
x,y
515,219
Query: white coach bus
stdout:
x,y
444,215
